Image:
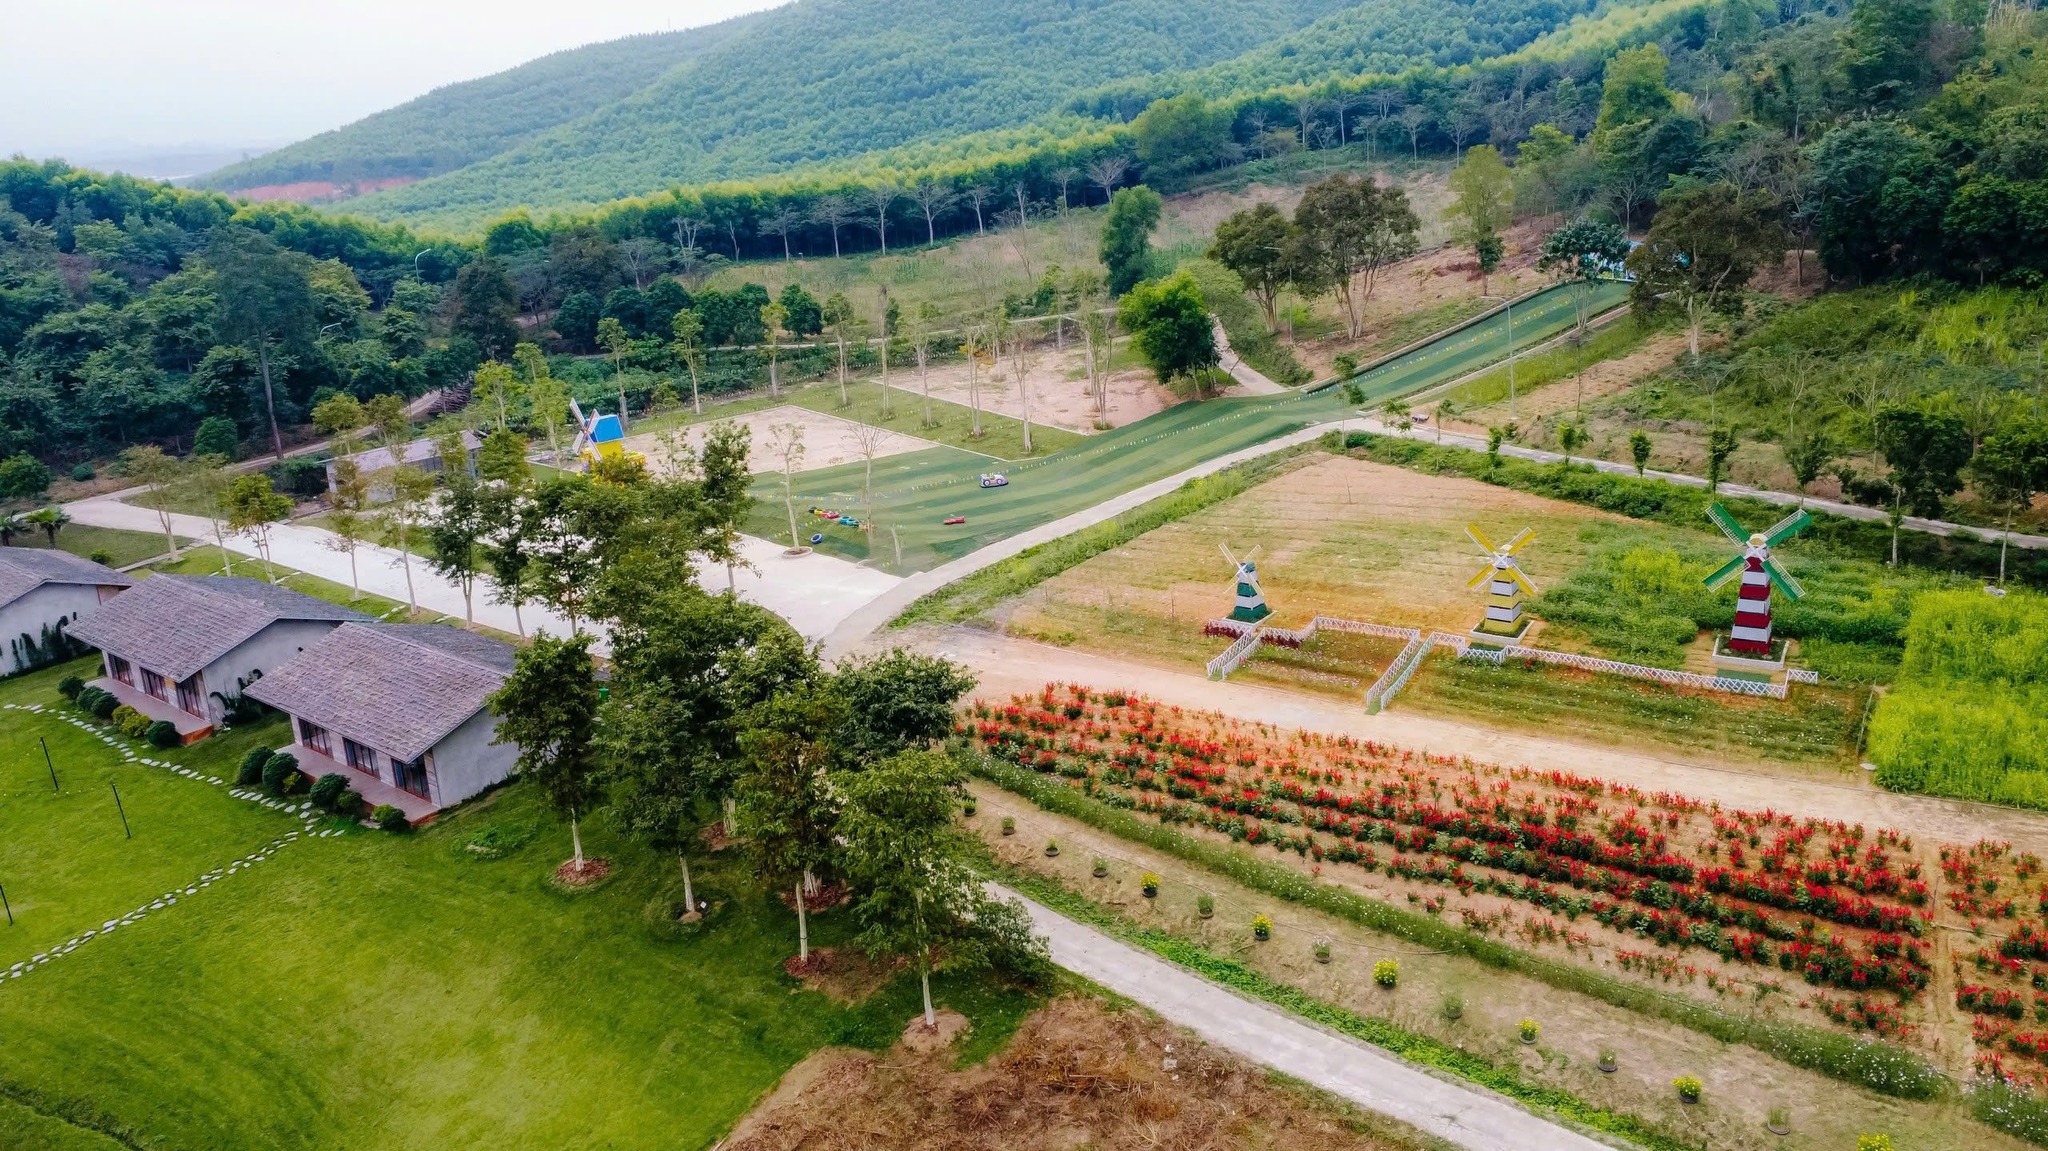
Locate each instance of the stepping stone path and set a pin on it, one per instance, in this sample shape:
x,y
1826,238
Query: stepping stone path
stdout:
x,y
302,811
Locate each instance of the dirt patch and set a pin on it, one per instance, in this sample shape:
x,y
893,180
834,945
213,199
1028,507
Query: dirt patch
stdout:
x,y
820,1065
946,1027
323,191
590,872
1077,1075
842,973
828,440
1057,387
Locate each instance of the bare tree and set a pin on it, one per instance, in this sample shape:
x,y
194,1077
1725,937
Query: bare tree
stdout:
x,y
1306,105
868,442
782,224
1414,118
687,228
1021,356
1255,120
977,195
644,257
1466,119
974,345
1064,178
882,347
1107,172
1023,205
786,446
879,198
1344,103
931,198
921,333
833,212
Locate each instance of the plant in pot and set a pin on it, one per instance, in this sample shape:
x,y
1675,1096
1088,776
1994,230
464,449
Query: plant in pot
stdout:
x,y
1149,884
1529,1030
967,808
1262,927
1688,1088
1205,906
1052,848
1009,826
1607,1062
1778,1121
1454,1006
1322,949
1101,868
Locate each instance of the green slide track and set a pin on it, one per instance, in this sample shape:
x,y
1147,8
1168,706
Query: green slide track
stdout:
x,y
916,492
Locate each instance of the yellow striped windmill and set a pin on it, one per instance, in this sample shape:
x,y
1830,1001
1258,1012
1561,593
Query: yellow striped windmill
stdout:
x,y
1504,581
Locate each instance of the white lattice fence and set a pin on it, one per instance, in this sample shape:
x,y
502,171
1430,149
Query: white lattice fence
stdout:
x,y
1234,655
1392,680
1331,623
1802,675
1630,670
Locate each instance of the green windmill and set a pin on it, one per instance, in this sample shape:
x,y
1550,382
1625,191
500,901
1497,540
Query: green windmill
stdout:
x,y
1251,602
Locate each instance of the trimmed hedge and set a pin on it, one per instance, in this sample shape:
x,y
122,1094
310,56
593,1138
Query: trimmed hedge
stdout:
x,y
1879,1066
250,773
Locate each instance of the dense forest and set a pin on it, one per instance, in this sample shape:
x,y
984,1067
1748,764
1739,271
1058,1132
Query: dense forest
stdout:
x,y
460,124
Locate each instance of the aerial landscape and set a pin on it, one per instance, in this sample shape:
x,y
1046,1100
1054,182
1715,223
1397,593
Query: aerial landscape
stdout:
x,y
1225,574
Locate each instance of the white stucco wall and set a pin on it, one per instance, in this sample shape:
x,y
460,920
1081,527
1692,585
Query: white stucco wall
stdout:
x,y
45,605
265,650
467,761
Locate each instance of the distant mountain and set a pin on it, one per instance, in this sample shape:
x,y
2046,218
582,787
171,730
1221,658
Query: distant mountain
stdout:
x,y
461,124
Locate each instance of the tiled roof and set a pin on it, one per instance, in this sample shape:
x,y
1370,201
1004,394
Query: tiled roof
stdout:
x,y
400,688
176,625
23,570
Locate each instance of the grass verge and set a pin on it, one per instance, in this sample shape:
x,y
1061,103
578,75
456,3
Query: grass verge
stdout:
x,y
1554,364
2015,1112
1420,1049
1879,1066
968,598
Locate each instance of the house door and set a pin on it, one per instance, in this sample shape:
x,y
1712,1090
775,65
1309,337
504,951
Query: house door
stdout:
x,y
191,700
410,775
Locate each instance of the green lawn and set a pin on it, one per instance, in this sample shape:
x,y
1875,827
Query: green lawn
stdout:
x,y
122,547
374,990
63,859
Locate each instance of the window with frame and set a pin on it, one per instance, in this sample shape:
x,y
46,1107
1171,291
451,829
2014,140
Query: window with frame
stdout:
x,y
315,737
411,775
191,700
153,684
123,671
361,758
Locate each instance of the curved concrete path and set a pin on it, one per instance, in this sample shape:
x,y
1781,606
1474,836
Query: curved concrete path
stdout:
x,y
1467,1116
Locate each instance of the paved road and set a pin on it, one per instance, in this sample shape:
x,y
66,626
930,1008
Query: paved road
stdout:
x,y
1372,1078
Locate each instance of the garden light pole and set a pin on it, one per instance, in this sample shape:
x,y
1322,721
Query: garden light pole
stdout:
x,y
48,763
1508,306
124,811
416,261
7,906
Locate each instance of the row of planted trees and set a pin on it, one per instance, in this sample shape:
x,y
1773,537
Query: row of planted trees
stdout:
x,y
715,712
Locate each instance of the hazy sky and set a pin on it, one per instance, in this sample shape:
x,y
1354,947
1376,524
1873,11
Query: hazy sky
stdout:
x,y
80,75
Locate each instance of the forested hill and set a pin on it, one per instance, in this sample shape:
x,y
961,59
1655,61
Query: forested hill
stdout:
x,y
460,124
820,80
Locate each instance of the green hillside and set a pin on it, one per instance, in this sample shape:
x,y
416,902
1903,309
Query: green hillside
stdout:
x,y
461,124
821,80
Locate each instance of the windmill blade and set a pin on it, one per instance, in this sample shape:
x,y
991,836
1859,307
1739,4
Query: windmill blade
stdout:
x,y
1727,524
1479,537
1520,541
1519,578
1485,574
1783,579
1788,527
1225,549
1254,553
1724,573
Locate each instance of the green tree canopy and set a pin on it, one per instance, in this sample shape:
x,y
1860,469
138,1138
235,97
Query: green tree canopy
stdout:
x,y
1127,236
1169,324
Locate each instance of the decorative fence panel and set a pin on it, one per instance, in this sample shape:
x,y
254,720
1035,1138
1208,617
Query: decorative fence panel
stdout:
x,y
1234,655
1631,670
1392,680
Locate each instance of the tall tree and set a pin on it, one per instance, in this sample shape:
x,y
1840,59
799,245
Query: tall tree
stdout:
x,y
1702,249
878,198
486,307
548,709
1127,237
348,505
2010,469
833,212
253,508
505,547
1256,244
1349,230
1482,202
456,536
161,477
1169,323
725,493
569,526
264,297
412,492
898,701
688,346
1584,252
786,806
773,316
1926,452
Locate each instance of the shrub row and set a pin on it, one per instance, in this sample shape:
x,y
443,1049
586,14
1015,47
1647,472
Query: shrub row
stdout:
x,y
1881,1067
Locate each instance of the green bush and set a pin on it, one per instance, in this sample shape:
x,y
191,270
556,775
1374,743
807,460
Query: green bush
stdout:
x,y
163,733
22,477
327,789
251,771
389,818
103,705
281,773
349,803
1387,972
82,473
69,687
128,721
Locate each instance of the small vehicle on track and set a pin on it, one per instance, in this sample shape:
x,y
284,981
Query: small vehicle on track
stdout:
x,y
949,521
994,480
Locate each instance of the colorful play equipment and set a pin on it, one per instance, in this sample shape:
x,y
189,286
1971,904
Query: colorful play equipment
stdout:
x,y
1505,583
833,517
1251,602
1751,635
599,435
949,521
994,480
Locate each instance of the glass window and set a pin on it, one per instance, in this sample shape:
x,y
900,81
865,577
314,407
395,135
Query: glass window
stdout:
x,y
361,758
314,736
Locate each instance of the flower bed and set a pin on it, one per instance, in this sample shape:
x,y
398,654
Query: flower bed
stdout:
x,y
2002,983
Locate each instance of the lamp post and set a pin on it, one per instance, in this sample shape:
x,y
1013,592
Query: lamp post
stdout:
x,y
416,261
1508,305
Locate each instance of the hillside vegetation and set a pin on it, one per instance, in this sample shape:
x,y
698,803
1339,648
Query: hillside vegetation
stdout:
x,y
460,124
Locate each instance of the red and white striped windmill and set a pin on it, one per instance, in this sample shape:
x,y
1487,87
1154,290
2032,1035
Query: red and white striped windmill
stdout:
x,y
1751,634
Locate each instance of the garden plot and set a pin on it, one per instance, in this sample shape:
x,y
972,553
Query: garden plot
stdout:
x,y
828,440
1828,924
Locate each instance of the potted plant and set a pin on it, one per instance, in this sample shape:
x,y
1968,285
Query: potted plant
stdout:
x,y
1322,949
1387,972
1454,1006
1205,906
1688,1088
1778,1122
1262,927
1529,1030
1149,884
1101,868
967,807
1009,826
1607,1063
1052,848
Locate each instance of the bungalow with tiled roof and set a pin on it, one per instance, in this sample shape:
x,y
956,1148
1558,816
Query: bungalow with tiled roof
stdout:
x,y
398,710
42,594
185,648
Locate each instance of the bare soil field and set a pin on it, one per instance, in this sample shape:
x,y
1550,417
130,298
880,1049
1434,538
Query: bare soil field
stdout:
x,y
1077,1074
828,440
1057,384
